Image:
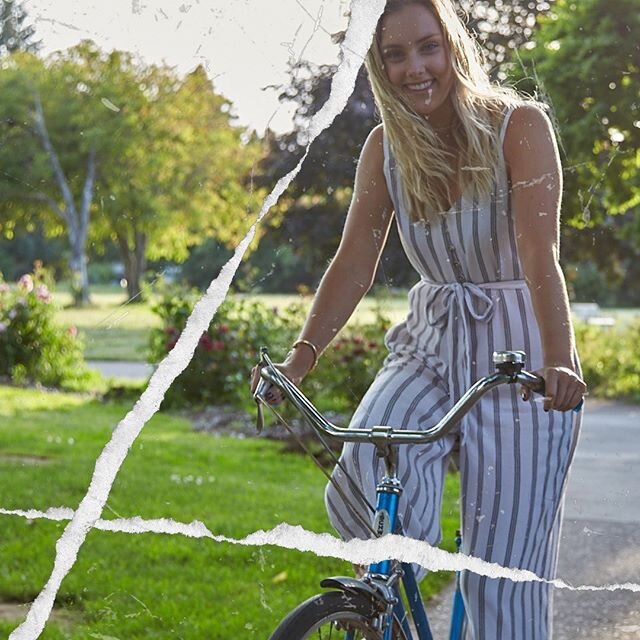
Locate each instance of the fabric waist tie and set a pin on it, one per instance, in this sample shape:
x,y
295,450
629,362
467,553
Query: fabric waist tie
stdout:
x,y
452,305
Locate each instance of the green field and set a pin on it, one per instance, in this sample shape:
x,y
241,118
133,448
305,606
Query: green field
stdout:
x,y
150,585
113,329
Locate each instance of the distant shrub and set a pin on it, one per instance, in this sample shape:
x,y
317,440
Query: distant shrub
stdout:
x,y
611,359
33,347
227,351
349,365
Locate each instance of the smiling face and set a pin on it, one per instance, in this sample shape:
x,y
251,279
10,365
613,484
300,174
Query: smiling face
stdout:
x,y
418,63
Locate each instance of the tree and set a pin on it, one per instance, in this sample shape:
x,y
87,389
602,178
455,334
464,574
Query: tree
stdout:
x,y
502,26
586,64
184,174
150,158
49,153
15,35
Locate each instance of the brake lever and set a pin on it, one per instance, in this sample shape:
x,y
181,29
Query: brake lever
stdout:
x,y
258,396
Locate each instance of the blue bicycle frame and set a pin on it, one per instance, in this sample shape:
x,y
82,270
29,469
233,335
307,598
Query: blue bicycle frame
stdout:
x,y
385,520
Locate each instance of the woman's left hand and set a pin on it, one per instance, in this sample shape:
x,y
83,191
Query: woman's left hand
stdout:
x,y
564,389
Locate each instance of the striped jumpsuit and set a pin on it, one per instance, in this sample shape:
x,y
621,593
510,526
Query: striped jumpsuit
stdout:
x,y
471,301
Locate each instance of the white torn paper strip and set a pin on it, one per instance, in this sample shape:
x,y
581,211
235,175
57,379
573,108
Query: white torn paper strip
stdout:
x,y
362,552
364,16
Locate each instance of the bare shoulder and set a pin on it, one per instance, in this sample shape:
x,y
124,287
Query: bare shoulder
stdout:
x,y
373,149
529,131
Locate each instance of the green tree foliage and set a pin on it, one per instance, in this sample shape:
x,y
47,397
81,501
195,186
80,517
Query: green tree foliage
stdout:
x,y
50,142
15,34
586,64
182,174
502,26
120,152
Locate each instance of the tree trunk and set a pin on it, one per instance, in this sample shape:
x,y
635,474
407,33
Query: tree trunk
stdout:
x,y
77,221
135,262
79,274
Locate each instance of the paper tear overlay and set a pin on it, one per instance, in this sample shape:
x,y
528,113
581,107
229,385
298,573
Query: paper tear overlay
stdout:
x,y
362,552
364,17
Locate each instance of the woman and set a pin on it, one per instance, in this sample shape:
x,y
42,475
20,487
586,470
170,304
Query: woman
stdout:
x,y
471,172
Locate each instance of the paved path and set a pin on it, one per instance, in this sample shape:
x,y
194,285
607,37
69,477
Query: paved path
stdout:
x,y
117,369
601,536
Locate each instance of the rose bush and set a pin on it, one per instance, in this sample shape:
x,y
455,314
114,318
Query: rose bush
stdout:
x,y
227,351
33,347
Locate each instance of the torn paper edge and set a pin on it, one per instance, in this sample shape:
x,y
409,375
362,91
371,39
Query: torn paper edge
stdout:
x,y
364,17
295,537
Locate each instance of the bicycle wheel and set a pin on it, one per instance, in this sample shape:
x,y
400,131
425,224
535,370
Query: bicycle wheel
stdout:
x,y
333,615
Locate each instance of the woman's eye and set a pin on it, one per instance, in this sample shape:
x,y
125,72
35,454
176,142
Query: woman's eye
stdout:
x,y
392,56
429,46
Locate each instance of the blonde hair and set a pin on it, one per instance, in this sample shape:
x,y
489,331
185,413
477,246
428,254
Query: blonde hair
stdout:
x,y
427,167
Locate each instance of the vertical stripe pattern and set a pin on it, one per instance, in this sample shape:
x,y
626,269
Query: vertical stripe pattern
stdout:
x,y
470,301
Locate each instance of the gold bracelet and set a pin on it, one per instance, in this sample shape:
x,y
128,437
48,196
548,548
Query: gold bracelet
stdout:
x,y
311,346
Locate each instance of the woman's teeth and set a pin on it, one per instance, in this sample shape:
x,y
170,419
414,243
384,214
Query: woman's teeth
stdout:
x,y
420,86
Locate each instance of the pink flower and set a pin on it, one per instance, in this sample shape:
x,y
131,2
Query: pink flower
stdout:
x,y
4,287
3,327
73,331
26,282
12,314
43,293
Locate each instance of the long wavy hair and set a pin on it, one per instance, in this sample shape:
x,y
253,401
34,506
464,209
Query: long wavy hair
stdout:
x,y
427,166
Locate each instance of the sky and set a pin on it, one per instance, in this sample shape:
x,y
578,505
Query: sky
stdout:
x,y
244,45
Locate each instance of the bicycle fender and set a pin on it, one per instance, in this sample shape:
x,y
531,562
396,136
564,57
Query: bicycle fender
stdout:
x,y
353,585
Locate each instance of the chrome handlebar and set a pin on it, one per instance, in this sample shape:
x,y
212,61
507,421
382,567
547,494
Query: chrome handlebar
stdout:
x,y
509,370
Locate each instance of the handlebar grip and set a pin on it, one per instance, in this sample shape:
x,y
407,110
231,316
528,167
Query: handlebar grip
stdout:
x,y
537,385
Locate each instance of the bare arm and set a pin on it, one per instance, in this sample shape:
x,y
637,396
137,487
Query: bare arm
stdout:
x,y
536,186
352,270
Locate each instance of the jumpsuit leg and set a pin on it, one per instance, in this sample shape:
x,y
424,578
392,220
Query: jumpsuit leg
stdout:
x,y
406,393
514,464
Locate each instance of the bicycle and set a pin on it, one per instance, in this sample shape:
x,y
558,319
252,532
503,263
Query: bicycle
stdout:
x,y
371,607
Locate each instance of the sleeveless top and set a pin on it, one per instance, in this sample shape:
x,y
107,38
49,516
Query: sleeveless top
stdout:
x,y
464,257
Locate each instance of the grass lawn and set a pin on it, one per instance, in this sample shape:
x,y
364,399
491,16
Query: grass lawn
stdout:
x,y
111,329
157,586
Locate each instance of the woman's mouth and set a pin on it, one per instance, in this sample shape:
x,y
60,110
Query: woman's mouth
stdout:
x,y
420,86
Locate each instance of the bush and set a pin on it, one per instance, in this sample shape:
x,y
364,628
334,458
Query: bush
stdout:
x,y
610,360
219,371
227,351
33,348
349,365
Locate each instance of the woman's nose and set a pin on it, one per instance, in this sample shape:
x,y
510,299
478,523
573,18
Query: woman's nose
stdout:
x,y
415,65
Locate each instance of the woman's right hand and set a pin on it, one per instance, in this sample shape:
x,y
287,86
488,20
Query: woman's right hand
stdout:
x,y
293,368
